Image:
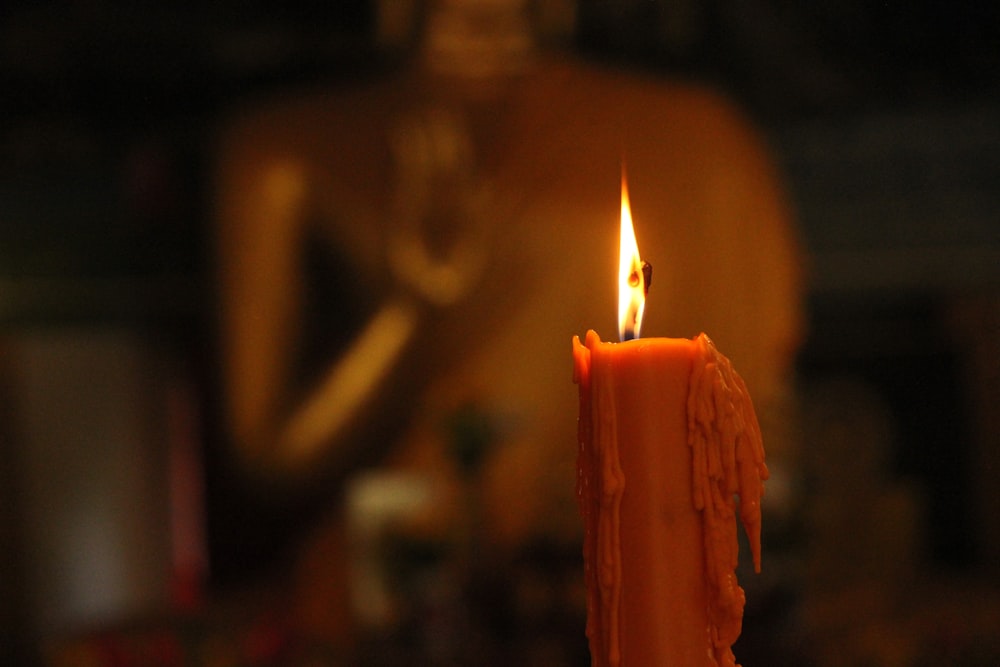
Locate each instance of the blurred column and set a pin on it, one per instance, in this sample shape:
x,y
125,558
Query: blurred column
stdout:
x,y
976,325
91,461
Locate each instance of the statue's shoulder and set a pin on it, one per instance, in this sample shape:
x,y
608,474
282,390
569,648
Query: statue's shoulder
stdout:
x,y
301,120
637,96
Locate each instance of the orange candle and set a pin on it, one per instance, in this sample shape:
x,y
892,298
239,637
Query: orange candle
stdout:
x,y
668,439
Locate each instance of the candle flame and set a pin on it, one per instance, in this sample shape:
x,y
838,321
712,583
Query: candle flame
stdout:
x,y
631,282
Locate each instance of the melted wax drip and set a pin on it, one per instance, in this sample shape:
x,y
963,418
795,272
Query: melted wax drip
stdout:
x,y
727,461
601,517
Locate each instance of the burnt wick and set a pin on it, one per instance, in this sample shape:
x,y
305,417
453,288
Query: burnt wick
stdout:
x,y
647,277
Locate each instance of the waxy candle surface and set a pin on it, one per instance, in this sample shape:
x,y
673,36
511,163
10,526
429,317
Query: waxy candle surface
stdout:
x,y
668,436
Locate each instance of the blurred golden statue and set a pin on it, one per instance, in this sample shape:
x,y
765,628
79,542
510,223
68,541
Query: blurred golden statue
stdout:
x,y
393,251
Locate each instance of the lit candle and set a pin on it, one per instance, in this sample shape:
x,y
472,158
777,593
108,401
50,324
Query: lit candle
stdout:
x,y
668,437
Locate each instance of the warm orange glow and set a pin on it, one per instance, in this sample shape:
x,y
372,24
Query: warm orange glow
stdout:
x,y
631,283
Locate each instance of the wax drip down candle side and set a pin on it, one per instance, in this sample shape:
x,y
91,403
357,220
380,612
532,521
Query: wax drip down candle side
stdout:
x,y
668,439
